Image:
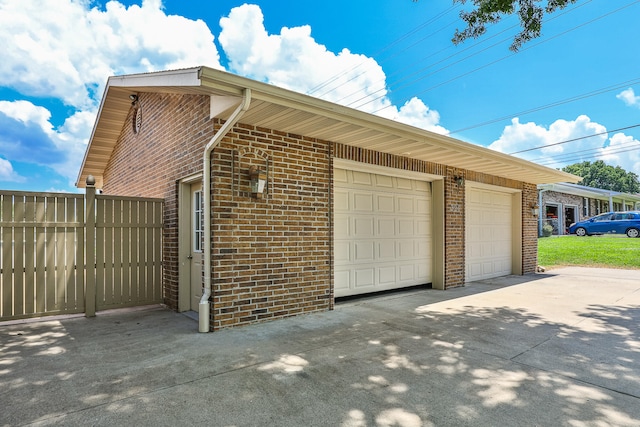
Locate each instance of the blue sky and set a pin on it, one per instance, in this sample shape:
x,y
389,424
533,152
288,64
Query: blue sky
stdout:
x,y
391,58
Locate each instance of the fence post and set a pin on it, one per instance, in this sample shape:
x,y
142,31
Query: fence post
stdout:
x,y
90,248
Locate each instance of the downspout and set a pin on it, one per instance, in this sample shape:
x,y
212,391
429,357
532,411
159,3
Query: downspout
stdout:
x,y
203,307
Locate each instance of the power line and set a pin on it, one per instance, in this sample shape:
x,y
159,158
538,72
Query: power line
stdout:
x,y
424,76
600,91
575,139
623,147
562,157
394,73
574,158
478,43
510,55
379,52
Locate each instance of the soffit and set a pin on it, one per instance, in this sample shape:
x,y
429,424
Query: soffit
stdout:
x,y
286,111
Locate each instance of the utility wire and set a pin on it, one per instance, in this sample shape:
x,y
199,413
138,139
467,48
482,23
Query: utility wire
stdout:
x,y
573,159
563,157
384,49
576,139
579,97
394,73
510,55
424,76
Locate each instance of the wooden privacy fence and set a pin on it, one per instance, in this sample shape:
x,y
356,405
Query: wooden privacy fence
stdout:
x,y
71,253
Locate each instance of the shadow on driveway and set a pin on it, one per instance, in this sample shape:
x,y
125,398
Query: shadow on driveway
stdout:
x,y
551,349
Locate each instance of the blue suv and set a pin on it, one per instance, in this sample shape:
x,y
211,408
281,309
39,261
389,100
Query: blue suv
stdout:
x,y
610,223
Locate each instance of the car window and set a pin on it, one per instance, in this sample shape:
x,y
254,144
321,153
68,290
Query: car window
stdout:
x,y
620,217
605,217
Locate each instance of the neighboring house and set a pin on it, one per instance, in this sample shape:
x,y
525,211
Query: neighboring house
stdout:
x,y
562,204
350,203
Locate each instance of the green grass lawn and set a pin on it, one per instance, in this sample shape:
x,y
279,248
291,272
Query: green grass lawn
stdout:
x,y
593,251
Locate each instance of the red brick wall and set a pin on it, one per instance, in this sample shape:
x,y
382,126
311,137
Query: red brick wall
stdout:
x,y
271,256
529,229
454,232
169,147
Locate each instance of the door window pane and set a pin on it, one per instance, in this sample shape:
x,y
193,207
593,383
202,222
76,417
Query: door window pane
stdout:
x,y
198,221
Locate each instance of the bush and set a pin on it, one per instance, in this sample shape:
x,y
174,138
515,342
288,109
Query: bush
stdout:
x,y
547,230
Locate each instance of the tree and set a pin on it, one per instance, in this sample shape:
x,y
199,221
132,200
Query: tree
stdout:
x,y
600,175
492,11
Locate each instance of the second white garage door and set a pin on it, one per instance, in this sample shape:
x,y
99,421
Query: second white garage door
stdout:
x,y
489,234
382,232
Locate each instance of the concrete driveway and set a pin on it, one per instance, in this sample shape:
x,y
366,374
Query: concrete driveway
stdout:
x,y
560,348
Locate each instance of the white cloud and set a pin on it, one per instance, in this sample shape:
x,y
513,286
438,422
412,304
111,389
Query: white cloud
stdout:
x,y
618,150
624,151
628,96
29,136
7,174
522,136
293,59
416,113
66,49
63,49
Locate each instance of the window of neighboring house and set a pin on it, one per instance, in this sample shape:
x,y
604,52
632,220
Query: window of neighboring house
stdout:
x,y
198,221
603,206
585,206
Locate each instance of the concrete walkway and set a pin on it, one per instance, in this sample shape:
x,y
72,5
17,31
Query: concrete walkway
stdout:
x,y
560,348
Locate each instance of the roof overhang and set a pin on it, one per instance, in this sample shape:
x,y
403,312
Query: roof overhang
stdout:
x,y
287,111
590,192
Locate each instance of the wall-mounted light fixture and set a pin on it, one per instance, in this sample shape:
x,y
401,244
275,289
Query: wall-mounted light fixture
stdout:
x,y
459,180
134,99
535,210
258,181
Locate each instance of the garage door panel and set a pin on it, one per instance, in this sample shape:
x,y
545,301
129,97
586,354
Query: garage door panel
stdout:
x,y
362,202
387,275
361,178
383,181
342,280
362,227
341,201
387,250
407,273
364,277
424,272
342,226
423,228
406,249
405,205
342,252
386,227
340,176
422,249
406,227
384,203
363,251
488,234
382,233
404,184
423,207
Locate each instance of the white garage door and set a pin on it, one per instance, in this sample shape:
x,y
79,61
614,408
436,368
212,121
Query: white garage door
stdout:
x,y
488,237
382,233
